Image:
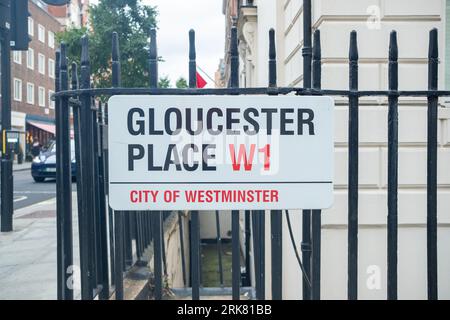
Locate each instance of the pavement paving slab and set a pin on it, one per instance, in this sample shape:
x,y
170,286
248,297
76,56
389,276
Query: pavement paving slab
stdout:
x,y
28,254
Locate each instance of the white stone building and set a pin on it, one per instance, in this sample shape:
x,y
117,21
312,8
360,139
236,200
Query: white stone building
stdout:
x,y
373,20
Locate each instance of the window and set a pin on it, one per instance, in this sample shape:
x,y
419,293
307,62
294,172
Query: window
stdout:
x,y
17,57
51,103
30,58
42,96
41,63
17,89
51,39
30,93
30,26
51,68
41,33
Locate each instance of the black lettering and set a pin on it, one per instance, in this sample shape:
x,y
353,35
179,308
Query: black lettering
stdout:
x,y
231,120
308,121
284,121
151,118
186,165
167,115
209,115
251,121
206,157
151,166
132,156
172,151
189,121
269,113
140,123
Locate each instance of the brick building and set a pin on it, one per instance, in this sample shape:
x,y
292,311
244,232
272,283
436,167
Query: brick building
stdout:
x,y
33,77
73,14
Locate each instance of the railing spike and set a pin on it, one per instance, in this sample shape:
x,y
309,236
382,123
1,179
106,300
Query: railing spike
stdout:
x,y
353,54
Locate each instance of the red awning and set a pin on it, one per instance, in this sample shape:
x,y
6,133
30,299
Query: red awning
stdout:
x,y
44,126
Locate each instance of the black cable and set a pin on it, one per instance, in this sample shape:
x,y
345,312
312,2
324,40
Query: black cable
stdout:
x,y
305,276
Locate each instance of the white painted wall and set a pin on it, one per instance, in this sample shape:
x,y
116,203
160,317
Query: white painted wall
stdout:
x,y
335,19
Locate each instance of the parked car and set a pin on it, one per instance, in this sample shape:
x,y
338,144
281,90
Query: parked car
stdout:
x,y
44,165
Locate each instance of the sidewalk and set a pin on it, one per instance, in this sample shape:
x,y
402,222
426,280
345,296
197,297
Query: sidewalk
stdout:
x,y
21,167
28,254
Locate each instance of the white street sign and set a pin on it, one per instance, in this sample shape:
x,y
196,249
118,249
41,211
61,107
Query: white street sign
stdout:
x,y
220,152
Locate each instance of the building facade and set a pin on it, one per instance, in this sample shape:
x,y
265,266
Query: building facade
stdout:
x,y
373,20
33,79
74,14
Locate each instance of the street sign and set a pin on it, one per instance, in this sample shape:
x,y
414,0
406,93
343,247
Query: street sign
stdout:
x,y
220,152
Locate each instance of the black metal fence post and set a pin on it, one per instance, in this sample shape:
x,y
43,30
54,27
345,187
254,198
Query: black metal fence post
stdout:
x,y
102,233
316,226
432,270
183,258
156,215
195,223
258,233
353,141
306,214
118,215
236,253
392,219
59,230
219,247
6,172
276,217
247,281
85,232
64,179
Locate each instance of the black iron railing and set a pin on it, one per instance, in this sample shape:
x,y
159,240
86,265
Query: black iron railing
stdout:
x,y
145,228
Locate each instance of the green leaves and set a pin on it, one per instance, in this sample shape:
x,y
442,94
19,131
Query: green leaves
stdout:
x,y
132,21
181,83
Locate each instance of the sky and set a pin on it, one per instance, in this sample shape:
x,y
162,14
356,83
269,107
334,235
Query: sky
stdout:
x,y
175,18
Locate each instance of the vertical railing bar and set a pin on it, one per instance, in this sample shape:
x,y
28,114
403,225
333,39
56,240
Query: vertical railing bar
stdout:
x,y
78,161
157,254
432,117
59,228
99,182
316,226
262,254
95,196
110,212
163,245
118,215
306,214
86,258
256,252
64,179
392,218
275,215
138,242
156,215
195,223
183,258
353,171
247,281
128,250
219,247
235,255
195,255
276,253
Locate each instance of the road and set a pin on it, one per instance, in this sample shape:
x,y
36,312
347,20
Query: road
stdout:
x,y
28,192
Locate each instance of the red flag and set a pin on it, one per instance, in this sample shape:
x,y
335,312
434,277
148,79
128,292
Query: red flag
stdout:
x,y
200,81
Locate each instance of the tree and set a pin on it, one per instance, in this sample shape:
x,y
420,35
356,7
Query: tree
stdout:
x,y
164,82
132,21
181,83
